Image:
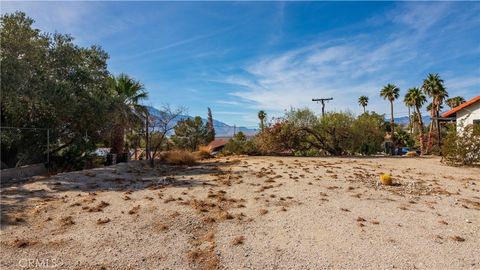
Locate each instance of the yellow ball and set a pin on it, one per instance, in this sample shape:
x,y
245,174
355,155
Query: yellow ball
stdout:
x,y
386,179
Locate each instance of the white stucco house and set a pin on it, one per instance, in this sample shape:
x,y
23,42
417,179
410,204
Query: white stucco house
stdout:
x,y
466,114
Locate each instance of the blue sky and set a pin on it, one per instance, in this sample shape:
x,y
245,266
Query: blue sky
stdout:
x,y
240,57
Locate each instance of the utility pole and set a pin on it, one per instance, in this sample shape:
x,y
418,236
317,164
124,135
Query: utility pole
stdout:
x,y
234,130
147,142
322,101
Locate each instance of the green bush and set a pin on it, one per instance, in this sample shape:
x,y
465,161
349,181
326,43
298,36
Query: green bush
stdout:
x,y
462,148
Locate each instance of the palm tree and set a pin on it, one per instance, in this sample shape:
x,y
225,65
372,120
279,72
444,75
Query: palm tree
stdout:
x,y
128,94
454,102
433,87
363,101
390,92
409,102
416,99
262,115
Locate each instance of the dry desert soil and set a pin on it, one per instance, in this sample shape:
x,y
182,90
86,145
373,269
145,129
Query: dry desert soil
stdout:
x,y
246,213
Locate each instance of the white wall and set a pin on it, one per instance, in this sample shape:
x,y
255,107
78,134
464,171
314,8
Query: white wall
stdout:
x,y
467,115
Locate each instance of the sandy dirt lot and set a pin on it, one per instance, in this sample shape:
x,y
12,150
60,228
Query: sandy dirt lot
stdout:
x,y
247,213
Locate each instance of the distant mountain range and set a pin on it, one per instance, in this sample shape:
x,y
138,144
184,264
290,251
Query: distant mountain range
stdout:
x,y
404,120
221,129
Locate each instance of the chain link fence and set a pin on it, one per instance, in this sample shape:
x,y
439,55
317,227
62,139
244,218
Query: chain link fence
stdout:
x,y
22,146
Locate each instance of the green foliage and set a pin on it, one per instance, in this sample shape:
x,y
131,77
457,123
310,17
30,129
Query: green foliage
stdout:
x,y
126,94
363,101
462,148
210,127
338,133
262,115
368,134
48,81
404,139
190,133
240,145
455,101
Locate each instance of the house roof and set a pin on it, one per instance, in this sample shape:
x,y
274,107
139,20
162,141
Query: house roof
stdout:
x,y
217,143
461,106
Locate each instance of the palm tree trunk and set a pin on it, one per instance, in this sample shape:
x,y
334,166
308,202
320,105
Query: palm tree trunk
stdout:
x,y
363,109
410,119
420,128
117,141
392,122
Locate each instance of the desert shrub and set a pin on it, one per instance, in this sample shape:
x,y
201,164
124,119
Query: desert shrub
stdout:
x,y
203,152
178,157
302,133
368,134
240,145
462,148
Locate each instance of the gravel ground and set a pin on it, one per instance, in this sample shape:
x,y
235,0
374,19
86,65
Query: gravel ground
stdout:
x,y
247,213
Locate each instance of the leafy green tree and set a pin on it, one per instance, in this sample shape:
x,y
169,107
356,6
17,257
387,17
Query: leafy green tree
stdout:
x,y
368,132
49,82
190,133
262,115
127,94
417,99
455,101
390,92
363,101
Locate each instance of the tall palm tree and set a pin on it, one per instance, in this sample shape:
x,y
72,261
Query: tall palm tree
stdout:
x,y
363,101
409,102
433,86
262,115
128,93
455,101
390,92
417,99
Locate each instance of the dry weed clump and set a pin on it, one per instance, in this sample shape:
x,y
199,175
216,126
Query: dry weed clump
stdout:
x,y
238,240
23,243
103,220
203,258
179,157
203,153
66,221
457,238
134,210
98,208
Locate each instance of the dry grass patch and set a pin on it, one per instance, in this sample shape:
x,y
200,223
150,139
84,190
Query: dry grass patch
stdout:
x,y
204,259
67,221
457,238
179,157
239,240
263,211
203,153
134,210
103,221
98,208
22,243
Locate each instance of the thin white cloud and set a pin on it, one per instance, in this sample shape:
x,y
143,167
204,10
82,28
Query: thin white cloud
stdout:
x,y
344,68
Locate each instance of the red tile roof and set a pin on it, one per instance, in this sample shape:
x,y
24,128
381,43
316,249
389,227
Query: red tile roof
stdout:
x,y
461,106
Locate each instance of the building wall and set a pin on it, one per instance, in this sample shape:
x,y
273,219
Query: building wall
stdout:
x,y
467,115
